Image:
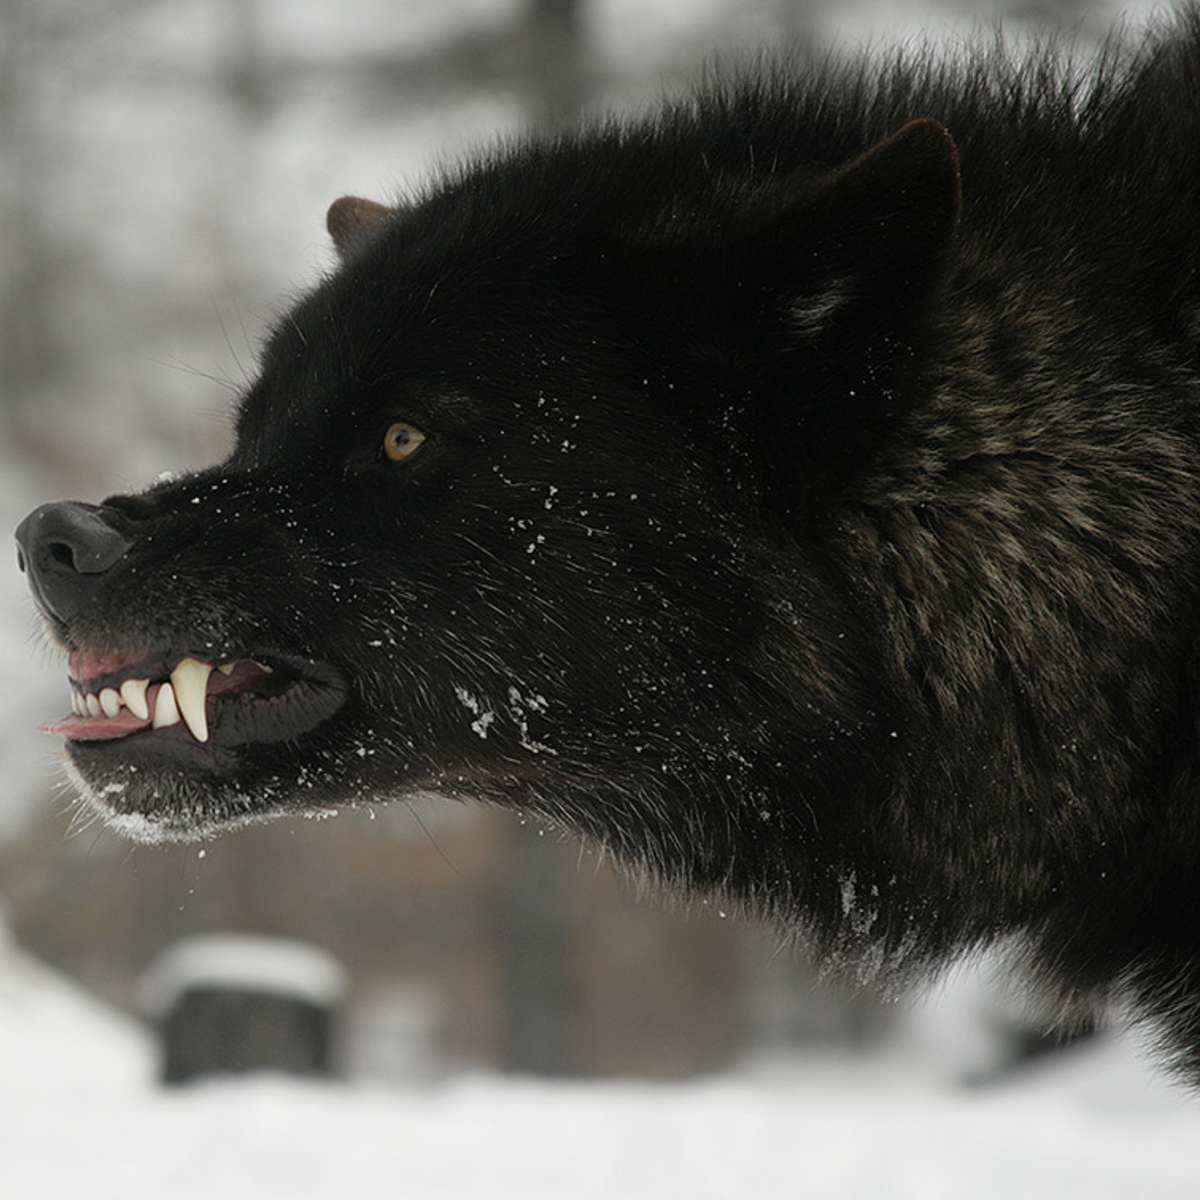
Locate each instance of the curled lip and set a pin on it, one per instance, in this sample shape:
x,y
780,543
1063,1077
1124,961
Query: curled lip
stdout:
x,y
130,695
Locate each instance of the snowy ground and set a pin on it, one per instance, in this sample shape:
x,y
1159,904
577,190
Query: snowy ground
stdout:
x,y
80,1116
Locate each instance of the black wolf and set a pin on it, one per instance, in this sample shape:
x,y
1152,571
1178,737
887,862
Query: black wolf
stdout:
x,y
796,492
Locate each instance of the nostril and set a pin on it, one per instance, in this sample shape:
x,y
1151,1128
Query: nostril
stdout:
x,y
66,549
60,552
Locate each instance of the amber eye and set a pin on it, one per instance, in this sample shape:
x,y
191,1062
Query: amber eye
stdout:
x,y
402,441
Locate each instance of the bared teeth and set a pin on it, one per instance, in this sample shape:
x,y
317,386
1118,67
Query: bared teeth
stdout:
x,y
166,711
133,696
189,682
182,699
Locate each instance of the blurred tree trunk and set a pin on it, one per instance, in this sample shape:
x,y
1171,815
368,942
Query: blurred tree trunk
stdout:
x,y
27,345
540,1031
242,73
244,66
556,82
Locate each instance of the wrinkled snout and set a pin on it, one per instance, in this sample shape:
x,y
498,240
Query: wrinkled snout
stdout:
x,y
66,548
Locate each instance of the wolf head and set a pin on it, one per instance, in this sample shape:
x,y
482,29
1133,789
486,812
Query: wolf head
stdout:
x,y
514,505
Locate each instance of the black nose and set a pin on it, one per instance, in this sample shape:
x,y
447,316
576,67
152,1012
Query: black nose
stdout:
x,y
66,548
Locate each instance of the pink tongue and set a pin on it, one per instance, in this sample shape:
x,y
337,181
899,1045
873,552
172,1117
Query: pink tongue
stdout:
x,y
96,729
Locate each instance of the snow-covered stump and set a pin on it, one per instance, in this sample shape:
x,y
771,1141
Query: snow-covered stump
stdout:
x,y
228,1003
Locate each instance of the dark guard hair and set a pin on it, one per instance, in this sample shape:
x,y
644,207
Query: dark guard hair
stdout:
x,y
797,492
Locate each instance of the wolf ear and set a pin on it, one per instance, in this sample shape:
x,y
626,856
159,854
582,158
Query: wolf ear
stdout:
x,y
350,217
850,265
876,232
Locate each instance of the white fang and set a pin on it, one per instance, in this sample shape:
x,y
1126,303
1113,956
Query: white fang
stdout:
x,y
189,681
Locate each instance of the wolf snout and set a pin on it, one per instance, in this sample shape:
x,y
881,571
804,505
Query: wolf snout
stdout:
x,y
65,548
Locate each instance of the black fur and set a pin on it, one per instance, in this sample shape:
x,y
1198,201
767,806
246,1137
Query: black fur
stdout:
x,y
809,512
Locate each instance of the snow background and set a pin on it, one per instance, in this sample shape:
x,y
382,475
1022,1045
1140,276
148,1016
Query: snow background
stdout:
x,y
81,1116
80,1112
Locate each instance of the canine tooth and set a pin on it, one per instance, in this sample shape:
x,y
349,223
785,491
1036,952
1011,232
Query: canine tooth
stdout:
x,y
92,702
190,682
166,711
110,701
133,693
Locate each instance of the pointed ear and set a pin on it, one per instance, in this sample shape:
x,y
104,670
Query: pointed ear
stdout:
x,y
853,266
350,217
876,232
911,177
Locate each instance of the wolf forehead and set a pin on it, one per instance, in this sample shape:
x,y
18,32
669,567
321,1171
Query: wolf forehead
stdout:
x,y
405,328
613,258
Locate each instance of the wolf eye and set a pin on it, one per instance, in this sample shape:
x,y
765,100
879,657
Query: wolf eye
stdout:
x,y
402,441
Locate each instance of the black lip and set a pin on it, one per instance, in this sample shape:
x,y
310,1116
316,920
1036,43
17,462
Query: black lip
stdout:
x,y
172,748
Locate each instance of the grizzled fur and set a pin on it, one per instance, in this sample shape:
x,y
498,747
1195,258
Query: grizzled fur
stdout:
x,y
808,511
